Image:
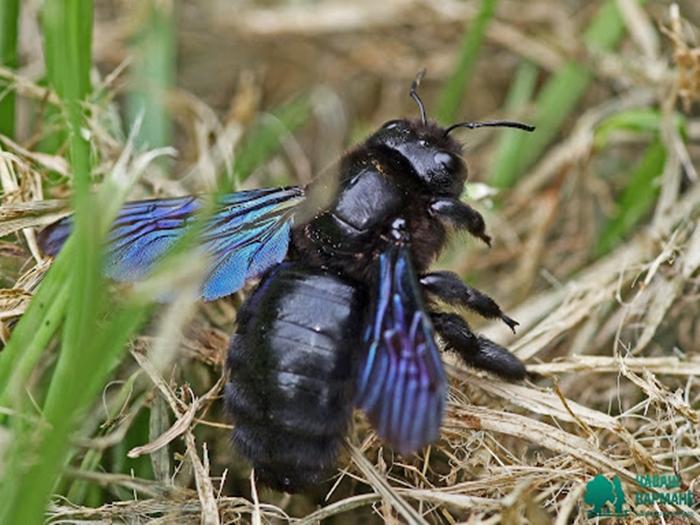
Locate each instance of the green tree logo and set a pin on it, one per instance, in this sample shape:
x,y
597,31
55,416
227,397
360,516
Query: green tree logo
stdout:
x,y
606,497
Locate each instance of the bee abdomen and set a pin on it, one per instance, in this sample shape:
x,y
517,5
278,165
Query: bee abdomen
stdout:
x,y
291,364
289,402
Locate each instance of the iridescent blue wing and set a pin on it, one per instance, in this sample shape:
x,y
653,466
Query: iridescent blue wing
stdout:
x,y
401,384
248,233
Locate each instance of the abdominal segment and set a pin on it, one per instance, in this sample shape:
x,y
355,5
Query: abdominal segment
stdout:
x,y
291,365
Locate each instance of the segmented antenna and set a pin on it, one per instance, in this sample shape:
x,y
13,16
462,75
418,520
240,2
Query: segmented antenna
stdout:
x,y
414,95
492,124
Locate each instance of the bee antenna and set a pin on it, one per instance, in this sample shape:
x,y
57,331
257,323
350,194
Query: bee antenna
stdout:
x,y
493,124
414,95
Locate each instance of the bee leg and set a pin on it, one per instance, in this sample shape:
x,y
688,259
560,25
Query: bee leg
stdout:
x,y
460,215
448,287
475,350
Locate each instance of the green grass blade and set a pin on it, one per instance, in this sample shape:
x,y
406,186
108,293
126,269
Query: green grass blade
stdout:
x,y
67,46
519,95
67,40
264,139
9,18
641,120
67,54
34,329
555,102
31,490
16,369
153,73
453,93
561,94
94,335
606,28
637,199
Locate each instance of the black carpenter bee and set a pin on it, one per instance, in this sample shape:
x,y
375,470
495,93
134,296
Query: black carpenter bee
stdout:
x,y
345,313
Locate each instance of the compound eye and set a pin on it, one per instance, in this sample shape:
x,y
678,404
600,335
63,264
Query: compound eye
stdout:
x,y
392,124
446,161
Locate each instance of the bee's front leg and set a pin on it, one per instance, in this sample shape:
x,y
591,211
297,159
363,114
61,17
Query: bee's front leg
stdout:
x,y
460,215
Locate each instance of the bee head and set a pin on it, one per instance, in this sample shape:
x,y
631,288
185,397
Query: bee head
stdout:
x,y
434,156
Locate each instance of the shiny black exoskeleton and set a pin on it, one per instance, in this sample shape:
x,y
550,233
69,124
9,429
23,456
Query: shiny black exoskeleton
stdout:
x,y
291,364
345,314
294,356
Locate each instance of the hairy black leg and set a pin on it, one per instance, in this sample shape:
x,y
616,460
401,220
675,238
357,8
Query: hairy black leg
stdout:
x,y
460,215
448,287
475,350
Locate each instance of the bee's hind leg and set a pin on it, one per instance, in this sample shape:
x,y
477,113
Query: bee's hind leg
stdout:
x,y
448,287
475,350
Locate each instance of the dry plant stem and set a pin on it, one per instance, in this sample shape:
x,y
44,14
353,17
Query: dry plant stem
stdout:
x,y
618,336
339,507
116,436
605,365
188,509
27,88
10,186
177,429
579,143
52,162
544,435
604,272
567,506
205,489
640,27
148,488
337,17
32,214
382,487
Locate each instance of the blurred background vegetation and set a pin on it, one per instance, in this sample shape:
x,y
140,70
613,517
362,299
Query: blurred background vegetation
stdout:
x,y
110,407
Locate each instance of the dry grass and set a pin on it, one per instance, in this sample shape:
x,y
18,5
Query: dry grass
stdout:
x,y
613,339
